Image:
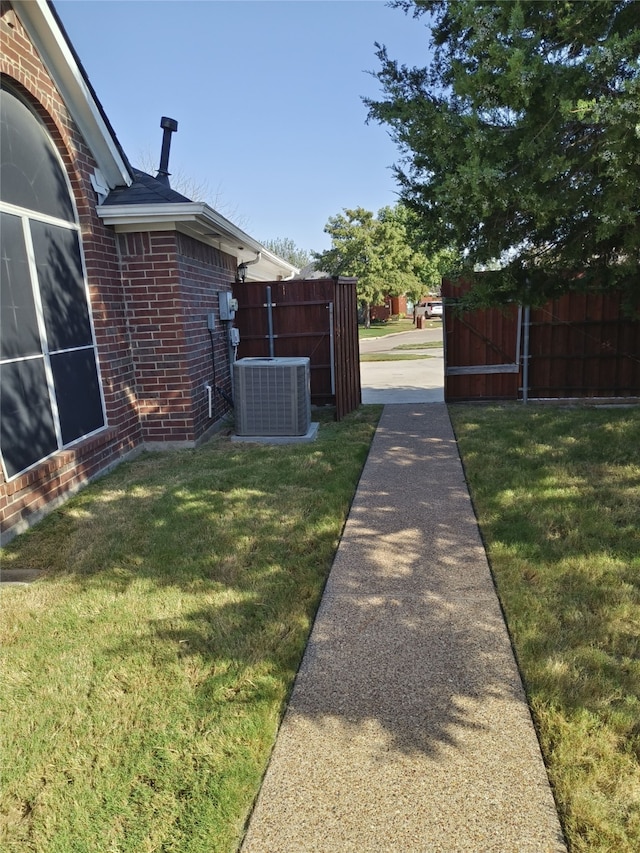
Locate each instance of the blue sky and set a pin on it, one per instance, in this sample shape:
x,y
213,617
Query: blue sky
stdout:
x,y
267,95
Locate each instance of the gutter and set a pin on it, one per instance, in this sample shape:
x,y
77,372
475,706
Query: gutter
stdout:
x,y
199,220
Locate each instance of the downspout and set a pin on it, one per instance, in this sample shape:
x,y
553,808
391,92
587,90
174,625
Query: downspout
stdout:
x,y
241,271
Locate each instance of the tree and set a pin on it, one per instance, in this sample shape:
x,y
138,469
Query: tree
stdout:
x,y
285,248
375,250
520,141
429,267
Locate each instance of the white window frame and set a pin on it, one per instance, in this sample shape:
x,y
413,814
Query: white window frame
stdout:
x,y
26,215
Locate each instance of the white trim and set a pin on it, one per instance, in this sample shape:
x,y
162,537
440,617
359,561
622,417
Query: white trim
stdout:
x,y
42,329
100,186
54,51
21,358
59,449
72,349
203,223
46,218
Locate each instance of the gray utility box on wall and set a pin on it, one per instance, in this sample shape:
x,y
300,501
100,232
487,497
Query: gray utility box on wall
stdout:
x,y
272,396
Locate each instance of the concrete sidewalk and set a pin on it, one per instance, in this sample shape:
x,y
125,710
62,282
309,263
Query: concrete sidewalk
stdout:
x,y
408,728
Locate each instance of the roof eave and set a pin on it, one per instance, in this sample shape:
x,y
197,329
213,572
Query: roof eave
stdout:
x,y
56,52
205,224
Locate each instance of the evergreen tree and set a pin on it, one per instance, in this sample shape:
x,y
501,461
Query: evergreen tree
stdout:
x,y
520,141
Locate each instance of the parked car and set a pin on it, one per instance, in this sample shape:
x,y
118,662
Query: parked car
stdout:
x,y
433,309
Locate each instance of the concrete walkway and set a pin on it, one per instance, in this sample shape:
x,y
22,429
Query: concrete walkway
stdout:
x,y
408,729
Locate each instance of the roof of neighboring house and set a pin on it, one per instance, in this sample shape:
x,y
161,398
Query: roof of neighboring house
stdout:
x,y
311,271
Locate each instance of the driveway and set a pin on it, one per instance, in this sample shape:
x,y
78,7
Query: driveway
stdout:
x,y
411,381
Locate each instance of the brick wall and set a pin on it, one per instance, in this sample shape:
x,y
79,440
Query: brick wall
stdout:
x,y
172,282
150,293
204,272
27,496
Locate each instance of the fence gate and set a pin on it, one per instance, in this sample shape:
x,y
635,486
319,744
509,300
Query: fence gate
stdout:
x,y
316,318
578,346
481,353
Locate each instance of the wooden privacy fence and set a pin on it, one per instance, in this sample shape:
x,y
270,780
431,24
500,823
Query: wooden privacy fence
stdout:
x,y
316,318
578,346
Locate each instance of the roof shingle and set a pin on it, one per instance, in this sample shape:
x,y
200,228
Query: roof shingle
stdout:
x,y
145,189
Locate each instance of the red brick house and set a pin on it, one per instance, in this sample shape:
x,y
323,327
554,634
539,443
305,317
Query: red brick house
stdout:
x,y
112,339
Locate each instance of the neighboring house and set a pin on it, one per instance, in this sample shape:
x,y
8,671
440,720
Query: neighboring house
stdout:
x,y
311,272
112,339
393,306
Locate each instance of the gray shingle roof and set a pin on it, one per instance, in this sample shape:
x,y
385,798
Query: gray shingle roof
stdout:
x,y
145,189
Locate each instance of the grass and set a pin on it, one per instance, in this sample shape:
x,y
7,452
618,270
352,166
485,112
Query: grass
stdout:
x,y
392,355
392,327
379,329
400,353
146,673
557,493
424,345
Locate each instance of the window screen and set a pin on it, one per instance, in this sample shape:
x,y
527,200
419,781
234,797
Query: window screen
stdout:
x,y
27,429
19,334
51,394
72,371
62,290
31,175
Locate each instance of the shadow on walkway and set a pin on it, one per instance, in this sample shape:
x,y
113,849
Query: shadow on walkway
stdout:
x,y
408,729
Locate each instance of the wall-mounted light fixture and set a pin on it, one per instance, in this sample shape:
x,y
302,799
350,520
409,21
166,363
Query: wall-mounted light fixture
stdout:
x,y
241,271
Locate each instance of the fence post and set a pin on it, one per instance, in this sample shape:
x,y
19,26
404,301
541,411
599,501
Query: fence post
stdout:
x,y
526,322
270,322
332,352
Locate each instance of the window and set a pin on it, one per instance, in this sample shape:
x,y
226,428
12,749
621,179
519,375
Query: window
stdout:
x,y
50,389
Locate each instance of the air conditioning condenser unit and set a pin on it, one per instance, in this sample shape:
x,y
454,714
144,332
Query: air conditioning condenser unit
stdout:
x,y
272,396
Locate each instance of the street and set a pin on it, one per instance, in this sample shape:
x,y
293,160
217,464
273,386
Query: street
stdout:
x,y
410,381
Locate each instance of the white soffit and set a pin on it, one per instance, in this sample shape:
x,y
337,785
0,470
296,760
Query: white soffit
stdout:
x,y
54,51
205,224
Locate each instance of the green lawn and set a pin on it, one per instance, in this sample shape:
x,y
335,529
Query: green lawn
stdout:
x,y
423,345
392,327
392,355
145,675
557,493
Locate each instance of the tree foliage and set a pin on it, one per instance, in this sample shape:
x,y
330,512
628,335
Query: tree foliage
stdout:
x,y
377,250
284,247
520,140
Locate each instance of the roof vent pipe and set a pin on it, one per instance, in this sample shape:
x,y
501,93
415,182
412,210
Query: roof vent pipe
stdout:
x,y
169,125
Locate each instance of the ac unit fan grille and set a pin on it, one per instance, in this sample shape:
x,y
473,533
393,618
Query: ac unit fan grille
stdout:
x,y
272,396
